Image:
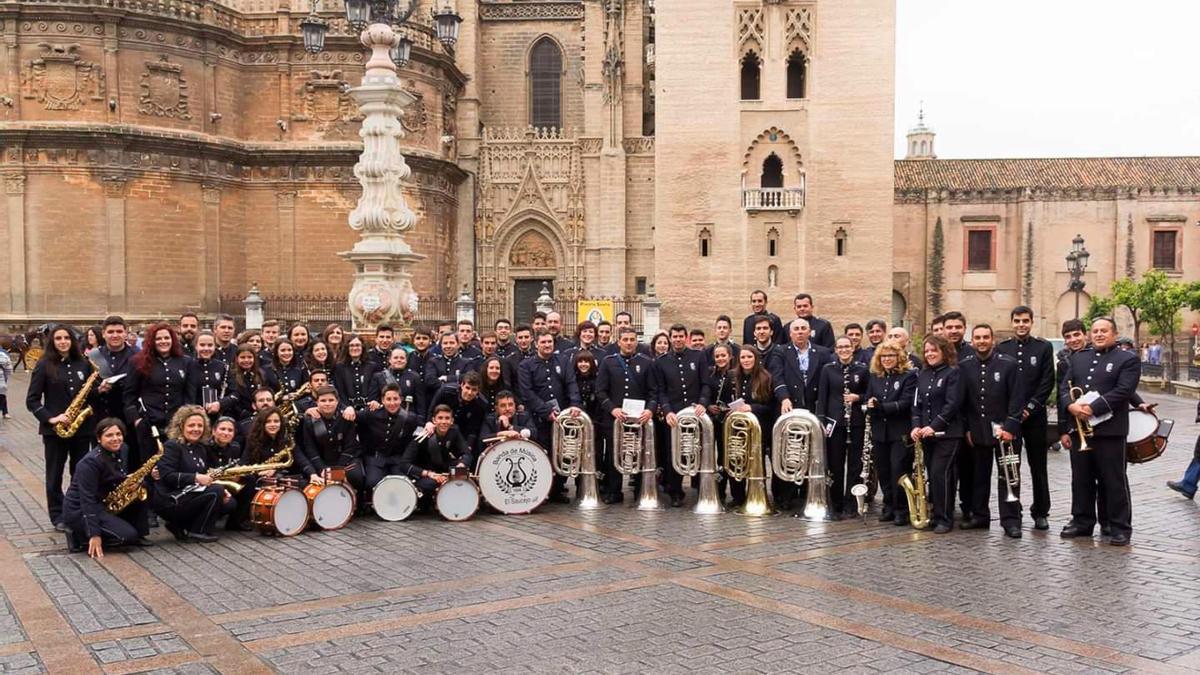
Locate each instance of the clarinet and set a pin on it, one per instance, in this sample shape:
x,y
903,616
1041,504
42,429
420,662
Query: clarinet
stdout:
x,y
845,393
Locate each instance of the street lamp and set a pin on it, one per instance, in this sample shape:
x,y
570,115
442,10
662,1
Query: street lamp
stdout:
x,y
382,291
1077,261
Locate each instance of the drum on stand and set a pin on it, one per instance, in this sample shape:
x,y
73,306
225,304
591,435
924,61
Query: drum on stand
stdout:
x,y
457,499
395,498
515,477
1143,442
279,508
331,505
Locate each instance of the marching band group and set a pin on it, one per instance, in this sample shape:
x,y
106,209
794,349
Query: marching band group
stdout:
x,y
203,424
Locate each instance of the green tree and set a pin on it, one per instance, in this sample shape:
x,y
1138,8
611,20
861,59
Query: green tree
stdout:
x,y
937,268
1153,301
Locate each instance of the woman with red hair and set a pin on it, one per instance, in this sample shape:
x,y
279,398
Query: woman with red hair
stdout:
x,y
158,386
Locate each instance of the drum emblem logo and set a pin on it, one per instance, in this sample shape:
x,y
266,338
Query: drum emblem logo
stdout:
x,y
522,475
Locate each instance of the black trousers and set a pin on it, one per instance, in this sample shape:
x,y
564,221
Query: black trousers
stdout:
x,y
671,479
941,456
893,459
984,459
1033,438
117,529
428,488
377,467
545,438
843,456
59,454
197,511
965,460
1101,468
145,447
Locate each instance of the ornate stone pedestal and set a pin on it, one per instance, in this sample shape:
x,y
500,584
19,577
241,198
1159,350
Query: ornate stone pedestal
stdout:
x,y
382,291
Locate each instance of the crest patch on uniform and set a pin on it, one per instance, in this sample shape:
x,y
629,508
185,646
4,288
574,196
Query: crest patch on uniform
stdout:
x,y
896,386
1108,368
693,365
181,373
637,368
939,382
856,379
996,376
1033,360
558,369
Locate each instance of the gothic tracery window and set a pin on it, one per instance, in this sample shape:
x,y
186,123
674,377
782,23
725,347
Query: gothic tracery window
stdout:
x,y
797,75
545,84
751,76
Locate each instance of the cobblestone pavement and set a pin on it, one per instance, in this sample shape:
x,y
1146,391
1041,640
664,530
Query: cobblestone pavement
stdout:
x,y
610,591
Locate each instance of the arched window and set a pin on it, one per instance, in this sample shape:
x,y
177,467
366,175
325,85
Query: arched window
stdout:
x,y
773,242
545,84
772,172
840,238
914,147
924,147
705,242
751,75
797,75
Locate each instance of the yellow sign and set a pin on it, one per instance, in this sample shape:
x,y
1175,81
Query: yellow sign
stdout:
x,y
595,310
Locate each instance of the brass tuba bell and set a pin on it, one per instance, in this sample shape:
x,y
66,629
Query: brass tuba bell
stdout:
x,y
744,461
634,455
798,455
694,452
573,454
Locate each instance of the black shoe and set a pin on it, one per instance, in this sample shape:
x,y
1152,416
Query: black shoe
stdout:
x,y
176,531
201,537
901,519
1119,540
941,529
785,505
1012,531
1072,531
59,527
975,524
887,516
560,498
836,516
611,499
75,544
1178,487
1040,523
141,541
676,501
153,520
1105,531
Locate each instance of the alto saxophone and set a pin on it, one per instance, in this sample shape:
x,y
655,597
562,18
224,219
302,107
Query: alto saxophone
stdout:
x,y
914,490
223,474
133,488
287,405
78,412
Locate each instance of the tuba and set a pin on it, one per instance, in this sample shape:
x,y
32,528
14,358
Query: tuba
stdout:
x,y
744,461
133,488
78,411
634,455
573,454
914,490
1009,461
861,489
694,451
798,455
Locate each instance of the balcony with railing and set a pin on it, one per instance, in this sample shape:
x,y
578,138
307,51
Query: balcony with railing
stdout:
x,y
773,199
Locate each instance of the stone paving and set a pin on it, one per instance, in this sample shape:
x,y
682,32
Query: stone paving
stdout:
x,y
612,591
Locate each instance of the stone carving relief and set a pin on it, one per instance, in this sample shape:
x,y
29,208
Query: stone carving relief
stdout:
x,y
751,28
613,66
533,249
798,29
164,90
60,79
416,115
325,100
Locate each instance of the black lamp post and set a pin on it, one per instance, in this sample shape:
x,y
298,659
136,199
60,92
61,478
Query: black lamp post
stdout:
x,y
362,13
1077,261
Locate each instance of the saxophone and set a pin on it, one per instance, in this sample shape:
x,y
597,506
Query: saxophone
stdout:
x,y
287,405
133,488
914,490
224,475
77,413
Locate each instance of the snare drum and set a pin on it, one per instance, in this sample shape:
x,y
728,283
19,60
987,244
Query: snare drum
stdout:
x,y
331,505
457,499
515,477
395,498
278,509
1143,442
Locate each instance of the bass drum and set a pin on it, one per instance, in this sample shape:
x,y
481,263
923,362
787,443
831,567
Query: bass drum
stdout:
x,y
1142,442
395,498
457,499
279,510
331,505
515,476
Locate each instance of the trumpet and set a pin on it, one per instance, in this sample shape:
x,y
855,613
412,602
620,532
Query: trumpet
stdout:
x,y
634,455
798,455
1084,428
1009,461
694,452
744,461
573,454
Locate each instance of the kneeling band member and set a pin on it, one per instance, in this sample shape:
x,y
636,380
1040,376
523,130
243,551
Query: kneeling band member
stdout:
x,y
428,460
88,522
383,436
184,494
329,440
506,424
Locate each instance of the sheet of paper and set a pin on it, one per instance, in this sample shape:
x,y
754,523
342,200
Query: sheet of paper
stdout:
x,y
113,379
633,407
1088,399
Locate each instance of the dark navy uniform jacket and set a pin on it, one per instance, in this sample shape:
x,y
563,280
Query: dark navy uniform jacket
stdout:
x,y
624,377
412,394
163,391
440,371
519,422
50,395
891,418
93,478
468,415
546,385
1114,374
938,401
382,433
833,381
178,468
993,395
436,453
208,376
681,380
352,379
326,442
112,403
778,336
1035,370
802,388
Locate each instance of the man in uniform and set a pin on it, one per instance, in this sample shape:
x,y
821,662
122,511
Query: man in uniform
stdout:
x,y
758,310
1109,378
993,404
821,331
223,329
382,349
468,406
798,367
554,326
547,388
1035,370
681,384
954,325
876,331
504,344
447,367
506,423
722,328
627,374
604,333
189,325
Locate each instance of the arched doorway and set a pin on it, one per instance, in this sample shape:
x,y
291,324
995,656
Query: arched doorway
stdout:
x,y
532,263
899,308
1064,309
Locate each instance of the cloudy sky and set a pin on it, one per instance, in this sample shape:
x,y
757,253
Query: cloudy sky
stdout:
x,y
1050,78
